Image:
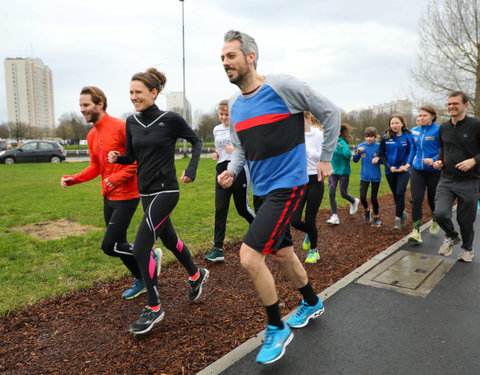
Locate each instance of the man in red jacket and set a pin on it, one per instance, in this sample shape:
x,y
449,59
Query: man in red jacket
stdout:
x,y
119,182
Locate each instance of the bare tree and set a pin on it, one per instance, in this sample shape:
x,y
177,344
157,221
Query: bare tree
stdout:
x,y
18,130
4,131
449,49
206,124
77,123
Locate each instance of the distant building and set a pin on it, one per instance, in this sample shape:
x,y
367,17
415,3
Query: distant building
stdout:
x,y
29,89
404,107
175,103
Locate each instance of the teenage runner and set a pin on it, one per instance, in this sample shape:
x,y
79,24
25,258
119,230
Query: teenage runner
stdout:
x,y
395,148
312,197
119,183
370,173
151,139
268,134
425,147
239,189
341,174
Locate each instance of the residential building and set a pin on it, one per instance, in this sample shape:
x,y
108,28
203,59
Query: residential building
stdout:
x,y
175,103
29,87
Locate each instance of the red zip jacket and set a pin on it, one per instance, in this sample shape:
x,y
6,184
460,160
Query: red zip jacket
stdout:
x,y
106,135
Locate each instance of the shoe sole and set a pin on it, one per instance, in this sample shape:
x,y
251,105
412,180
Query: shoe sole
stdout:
x,y
446,254
215,260
455,242
333,223
144,290
468,260
160,317
413,239
287,341
159,253
316,314
205,278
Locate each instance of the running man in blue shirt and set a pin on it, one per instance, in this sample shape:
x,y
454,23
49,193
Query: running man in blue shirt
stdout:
x,y
267,131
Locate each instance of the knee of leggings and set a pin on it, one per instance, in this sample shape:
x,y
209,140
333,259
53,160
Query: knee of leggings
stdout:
x,y
107,247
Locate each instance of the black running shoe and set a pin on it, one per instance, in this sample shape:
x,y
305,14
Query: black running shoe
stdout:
x,y
146,321
196,286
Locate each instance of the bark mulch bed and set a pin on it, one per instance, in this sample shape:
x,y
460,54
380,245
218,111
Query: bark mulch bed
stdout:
x,y
86,332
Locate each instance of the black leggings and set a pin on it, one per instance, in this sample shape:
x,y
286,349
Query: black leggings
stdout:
x,y
239,190
156,223
398,182
312,197
373,195
118,215
419,182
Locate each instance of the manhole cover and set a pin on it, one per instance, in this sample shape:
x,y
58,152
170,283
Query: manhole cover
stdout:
x,y
408,272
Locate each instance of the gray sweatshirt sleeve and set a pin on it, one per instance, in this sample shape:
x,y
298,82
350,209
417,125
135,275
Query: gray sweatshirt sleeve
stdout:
x,y
300,97
237,160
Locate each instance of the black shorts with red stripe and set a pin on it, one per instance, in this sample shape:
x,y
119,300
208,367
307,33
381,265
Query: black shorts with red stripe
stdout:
x,y
270,230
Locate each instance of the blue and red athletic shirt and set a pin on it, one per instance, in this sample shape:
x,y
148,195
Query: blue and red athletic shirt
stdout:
x,y
269,135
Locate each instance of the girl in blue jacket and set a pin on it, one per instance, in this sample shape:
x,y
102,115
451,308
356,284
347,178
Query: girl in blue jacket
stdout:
x,y
424,153
341,173
370,173
395,148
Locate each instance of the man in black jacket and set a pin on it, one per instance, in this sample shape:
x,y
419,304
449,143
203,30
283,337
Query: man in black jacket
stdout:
x,y
459,158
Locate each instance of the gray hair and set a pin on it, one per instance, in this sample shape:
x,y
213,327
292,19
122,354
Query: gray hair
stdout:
x,y
248,44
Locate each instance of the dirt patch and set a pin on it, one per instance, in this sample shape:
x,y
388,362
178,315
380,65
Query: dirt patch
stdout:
x,y
55,229
86,332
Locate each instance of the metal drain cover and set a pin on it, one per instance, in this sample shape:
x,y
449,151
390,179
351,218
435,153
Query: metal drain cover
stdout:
x,y
408,272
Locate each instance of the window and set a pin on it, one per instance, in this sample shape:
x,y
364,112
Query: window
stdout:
x,y
30,146
46,146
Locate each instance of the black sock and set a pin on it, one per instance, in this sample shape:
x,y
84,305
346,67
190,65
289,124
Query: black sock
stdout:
x,y
308,294
273,314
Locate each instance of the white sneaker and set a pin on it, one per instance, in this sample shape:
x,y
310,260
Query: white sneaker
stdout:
x,y
466,256
334,220
354,206
447,247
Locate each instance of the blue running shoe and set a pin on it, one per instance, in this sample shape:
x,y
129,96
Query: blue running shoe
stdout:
x,y
306,243
305,313
478,205
276,340
137,288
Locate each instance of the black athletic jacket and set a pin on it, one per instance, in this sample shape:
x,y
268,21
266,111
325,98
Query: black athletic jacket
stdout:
x,y
458,143
151,139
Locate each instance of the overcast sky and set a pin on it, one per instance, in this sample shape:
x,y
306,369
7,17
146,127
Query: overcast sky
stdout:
x,y
357,53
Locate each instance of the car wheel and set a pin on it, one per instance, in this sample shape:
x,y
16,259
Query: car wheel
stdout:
x,y
55,159
9,160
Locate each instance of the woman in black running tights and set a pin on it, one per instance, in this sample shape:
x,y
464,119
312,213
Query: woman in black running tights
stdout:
x,y
151,138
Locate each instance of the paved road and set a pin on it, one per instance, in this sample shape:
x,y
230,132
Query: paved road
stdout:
x,y
369,330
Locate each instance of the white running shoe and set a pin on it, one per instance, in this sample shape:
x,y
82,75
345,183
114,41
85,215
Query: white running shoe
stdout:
x,y
466,256
354,206
334,220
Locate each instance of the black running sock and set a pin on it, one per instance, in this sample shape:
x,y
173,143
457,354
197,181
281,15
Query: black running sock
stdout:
x,y
273,314
308,294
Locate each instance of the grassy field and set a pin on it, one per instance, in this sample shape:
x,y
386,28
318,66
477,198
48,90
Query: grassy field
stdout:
x,y
32,269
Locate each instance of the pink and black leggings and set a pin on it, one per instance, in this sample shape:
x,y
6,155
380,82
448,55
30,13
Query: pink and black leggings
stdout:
x,y
156,224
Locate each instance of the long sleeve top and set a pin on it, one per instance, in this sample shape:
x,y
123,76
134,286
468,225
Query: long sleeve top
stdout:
x,y
368,172
151,139
341,158
106,135
458,143
425,145
268,133
394,151
313,143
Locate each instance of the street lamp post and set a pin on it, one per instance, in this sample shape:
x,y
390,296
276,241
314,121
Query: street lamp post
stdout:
x,y
183,51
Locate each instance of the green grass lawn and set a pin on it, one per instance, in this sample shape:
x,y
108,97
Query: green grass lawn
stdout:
x,y
32,269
